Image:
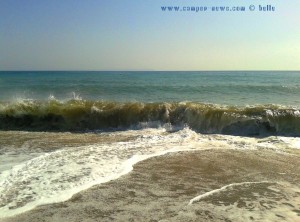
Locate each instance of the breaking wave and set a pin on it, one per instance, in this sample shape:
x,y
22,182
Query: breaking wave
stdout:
x,y
81,115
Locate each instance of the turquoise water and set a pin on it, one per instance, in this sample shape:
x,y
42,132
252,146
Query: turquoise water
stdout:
x,y
229,88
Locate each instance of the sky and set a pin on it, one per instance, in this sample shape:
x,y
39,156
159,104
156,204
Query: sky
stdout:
x,y
138,35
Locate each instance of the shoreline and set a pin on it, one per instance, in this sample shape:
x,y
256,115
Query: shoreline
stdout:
x,y
161,188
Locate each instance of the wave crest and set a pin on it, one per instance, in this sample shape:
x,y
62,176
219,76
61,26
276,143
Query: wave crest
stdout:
x,y
78,115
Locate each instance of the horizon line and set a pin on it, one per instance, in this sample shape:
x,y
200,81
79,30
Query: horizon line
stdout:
x,y
70,70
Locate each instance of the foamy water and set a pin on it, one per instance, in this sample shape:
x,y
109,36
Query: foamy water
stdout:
x,y
35,178
255,201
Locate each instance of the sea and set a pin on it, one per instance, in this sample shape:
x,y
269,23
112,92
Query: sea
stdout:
x,y
62,132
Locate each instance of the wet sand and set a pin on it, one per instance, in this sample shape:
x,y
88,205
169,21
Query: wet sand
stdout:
x,y
161,188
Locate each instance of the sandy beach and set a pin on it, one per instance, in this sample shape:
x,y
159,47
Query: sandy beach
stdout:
x,y
240,185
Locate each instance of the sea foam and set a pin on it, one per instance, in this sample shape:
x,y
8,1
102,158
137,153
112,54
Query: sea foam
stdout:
x,y
56,176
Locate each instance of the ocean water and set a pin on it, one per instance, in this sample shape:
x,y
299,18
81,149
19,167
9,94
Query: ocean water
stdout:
x,y
226,88
63,132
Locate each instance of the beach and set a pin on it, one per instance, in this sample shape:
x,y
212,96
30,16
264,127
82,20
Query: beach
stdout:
x,y
261,186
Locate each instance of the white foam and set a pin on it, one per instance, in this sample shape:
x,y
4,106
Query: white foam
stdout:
x,y
56,176
266,207
212,192
291,142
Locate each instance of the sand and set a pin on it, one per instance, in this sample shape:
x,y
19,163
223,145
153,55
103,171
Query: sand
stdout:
x,y
160,189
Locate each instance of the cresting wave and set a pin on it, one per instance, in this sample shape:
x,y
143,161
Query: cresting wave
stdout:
x,y
81,115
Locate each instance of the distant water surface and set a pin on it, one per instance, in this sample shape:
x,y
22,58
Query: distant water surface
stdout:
x,y
229,88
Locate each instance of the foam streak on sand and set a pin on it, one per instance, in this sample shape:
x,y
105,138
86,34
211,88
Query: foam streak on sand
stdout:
x,y
54,176
212,192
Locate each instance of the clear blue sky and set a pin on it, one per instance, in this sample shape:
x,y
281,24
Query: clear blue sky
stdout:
x,y
137,35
